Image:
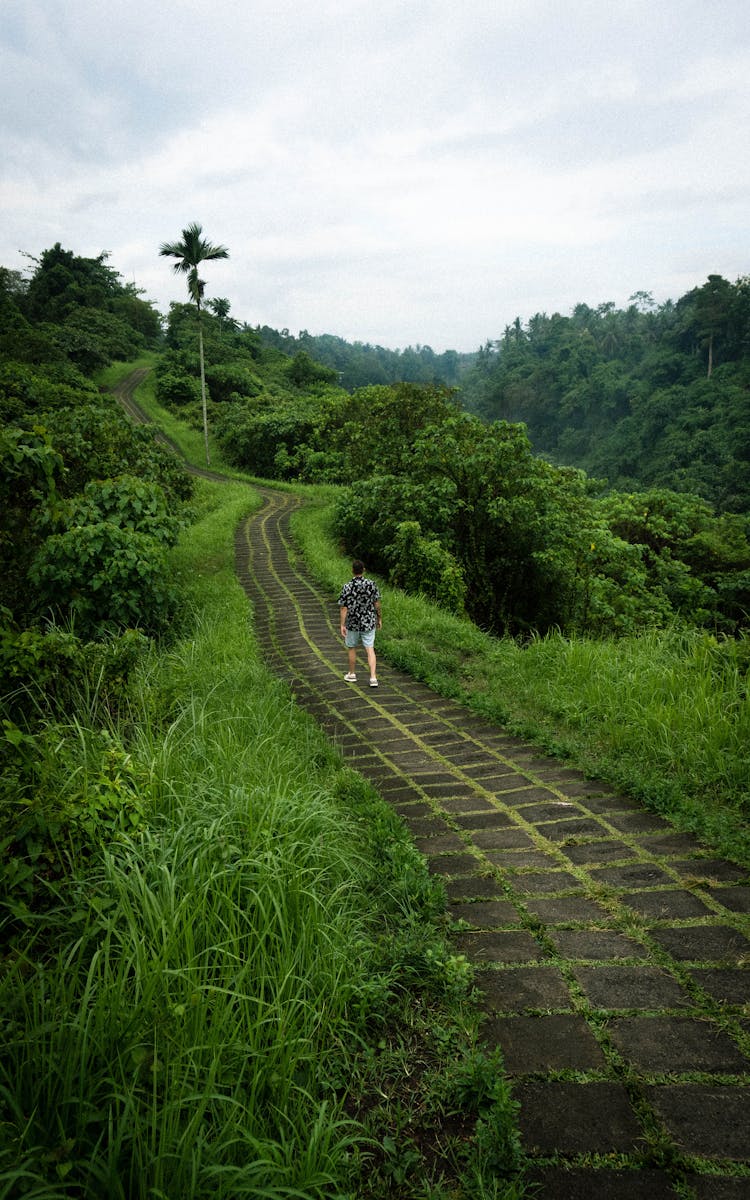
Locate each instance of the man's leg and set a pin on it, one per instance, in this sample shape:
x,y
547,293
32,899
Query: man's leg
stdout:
x,y
372,661
352,660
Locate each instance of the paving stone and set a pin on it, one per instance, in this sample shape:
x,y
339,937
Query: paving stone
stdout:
x,y
668,844
571,829
703,943
420,767
515,945
413,808
501,784
676,1044
496,839
474,887
466,804
731,985
536,814
492,768
631,987
598,852
577,786
531,761
446,843
551,768
427,827
485,914
612,804
736,899
516,989
491,819
520,797
459,754
393,746
544,881
430,775
710,869
631,875
447,790
563,910
453,864
665,904
719,1187
637,822
517,860
559,1042
556,1183
576,1118
400,793
710,1121
507,839
595,943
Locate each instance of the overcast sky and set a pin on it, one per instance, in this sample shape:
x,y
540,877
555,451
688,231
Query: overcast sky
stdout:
x,y
391,171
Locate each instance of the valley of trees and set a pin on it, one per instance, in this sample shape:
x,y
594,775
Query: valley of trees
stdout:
x,y
480,509
590,474
585,474
653,396
357,364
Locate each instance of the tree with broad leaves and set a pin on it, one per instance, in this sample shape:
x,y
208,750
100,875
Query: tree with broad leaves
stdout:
x,y
190,253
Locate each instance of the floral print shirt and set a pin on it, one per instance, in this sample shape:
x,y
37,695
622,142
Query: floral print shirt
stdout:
x,y
359,597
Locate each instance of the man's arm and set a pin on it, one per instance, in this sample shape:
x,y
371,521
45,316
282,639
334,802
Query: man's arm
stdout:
x,y
343,611
379,614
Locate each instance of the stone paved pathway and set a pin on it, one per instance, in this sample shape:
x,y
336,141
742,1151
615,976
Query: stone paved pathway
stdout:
x,y
612,953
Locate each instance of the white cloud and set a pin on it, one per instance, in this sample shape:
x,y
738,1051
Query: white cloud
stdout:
x,y
386,172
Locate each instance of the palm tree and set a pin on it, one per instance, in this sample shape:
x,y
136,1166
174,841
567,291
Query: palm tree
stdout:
x,y
220,308
190,252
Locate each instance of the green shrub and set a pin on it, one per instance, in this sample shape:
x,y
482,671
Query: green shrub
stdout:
x,y
103,578
420,564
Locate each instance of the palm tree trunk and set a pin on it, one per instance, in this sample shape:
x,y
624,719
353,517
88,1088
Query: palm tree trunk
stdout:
x,y
203,386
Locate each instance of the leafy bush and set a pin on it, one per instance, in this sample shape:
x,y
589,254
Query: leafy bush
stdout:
x,y
175,389
420,564
30,469
97,441
104,577
126,501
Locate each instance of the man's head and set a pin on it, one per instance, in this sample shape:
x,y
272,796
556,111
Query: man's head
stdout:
x,y
358,567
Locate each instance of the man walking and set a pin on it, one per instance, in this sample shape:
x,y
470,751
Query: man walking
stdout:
x,y
359,603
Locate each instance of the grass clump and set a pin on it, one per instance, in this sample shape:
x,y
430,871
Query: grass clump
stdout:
x,y
209,1005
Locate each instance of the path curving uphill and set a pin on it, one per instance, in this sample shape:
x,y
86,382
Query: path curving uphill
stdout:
x,y
612,953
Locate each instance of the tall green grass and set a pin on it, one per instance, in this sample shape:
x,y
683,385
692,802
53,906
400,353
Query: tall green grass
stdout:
x,y
195,1013
664,715
163,1036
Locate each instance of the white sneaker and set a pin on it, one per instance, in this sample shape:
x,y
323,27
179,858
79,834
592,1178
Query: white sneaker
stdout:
x,y
373,682
350,677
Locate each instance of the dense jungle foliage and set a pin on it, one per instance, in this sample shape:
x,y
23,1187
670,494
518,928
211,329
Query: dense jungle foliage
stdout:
x,y
90,506
647,396
358,364
463,509
444,489
206,922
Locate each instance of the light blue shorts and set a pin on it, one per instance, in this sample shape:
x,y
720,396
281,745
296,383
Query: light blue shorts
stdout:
x,y
355,636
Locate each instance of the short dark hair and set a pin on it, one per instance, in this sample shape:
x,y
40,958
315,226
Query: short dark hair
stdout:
x,y
358,567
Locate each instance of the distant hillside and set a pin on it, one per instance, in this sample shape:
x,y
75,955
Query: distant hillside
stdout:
x,y
643,396
359,364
